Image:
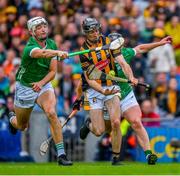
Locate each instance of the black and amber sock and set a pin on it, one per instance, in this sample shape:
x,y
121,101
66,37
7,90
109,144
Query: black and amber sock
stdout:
x,y
115,154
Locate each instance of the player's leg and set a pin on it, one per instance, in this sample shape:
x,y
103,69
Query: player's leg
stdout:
x,y
132,112
95,123
19,120
23,103
47,102
114,113
133,116
97,126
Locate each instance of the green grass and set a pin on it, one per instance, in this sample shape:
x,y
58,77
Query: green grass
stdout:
x,y
95,168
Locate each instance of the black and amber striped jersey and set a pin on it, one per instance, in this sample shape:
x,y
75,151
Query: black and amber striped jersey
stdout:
x,y
102,59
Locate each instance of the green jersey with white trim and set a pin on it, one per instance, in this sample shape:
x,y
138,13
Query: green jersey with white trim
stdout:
x,y
128,54
34,69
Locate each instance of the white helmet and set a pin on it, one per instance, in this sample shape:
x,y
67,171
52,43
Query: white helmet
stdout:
x,y
33,22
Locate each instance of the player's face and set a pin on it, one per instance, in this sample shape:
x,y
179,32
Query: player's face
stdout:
x,y
93,35
41,31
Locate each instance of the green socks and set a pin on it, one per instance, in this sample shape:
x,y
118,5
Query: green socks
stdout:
x,y
147,152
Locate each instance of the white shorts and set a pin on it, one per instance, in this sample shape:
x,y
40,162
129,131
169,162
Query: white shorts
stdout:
x,y
25,97
128,102
97,100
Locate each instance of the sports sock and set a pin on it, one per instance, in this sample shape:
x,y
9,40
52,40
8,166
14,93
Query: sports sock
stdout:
x,y
147,153
115,154
11,119
60,149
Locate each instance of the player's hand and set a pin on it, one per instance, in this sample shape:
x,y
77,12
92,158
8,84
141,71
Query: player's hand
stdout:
x,y
77,105
166,40
63,54
110,92
37,86
134,81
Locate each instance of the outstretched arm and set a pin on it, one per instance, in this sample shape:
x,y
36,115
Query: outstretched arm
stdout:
x,y
143,48
47,53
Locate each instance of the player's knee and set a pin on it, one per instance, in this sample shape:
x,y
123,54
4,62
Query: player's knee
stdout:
x,y
136,124
115,124
98,132
51,113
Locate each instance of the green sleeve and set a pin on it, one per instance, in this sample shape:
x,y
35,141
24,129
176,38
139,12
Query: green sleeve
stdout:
x,y
128,54
28,49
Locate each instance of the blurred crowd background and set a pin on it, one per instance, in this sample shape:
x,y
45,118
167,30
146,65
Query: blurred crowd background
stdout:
x,y
139,21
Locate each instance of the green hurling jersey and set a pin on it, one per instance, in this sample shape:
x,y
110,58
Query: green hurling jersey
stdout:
x,y
33,69
128,54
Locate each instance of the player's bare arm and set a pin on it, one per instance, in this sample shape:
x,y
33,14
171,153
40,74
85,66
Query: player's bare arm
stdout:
x,y
49,77
143,48
126,69
48,53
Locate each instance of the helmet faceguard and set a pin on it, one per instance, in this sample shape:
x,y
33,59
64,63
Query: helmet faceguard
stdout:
x,y
34,22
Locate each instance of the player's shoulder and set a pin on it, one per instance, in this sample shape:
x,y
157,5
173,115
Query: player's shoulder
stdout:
x,y
104,39
86,45
31,42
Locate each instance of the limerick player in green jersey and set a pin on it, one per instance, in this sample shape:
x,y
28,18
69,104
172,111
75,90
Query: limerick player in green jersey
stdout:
x,y
37,69
129,106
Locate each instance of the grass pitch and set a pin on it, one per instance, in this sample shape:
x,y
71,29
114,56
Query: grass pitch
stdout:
x,y
95,168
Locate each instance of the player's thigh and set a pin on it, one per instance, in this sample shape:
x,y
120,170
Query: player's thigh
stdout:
x,y
113,107
96,116
133,114
47,100
22,115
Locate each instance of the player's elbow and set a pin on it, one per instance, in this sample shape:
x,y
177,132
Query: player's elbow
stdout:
x,y
140,49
